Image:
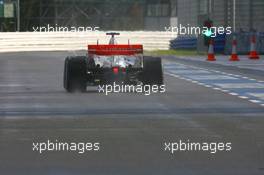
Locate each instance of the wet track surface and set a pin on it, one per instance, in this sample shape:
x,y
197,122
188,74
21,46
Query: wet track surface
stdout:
x,y
131,128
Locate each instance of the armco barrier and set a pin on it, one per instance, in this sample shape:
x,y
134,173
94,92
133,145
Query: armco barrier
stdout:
x,y
56,41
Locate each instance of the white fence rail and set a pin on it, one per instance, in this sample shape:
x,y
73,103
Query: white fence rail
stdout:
x,y
56,41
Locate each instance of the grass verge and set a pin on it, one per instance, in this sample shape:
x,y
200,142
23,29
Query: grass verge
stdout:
x,y
173,52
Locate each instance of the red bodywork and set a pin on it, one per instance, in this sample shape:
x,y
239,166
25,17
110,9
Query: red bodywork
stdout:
x,y
115,49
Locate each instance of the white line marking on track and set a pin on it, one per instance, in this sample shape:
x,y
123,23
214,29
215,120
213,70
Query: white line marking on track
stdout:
x,y
18,85
209,70
240,85
257,95
255,101
234,94
207,74
243,97
224,90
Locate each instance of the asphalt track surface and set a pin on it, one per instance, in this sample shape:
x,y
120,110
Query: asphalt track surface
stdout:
x,y
131,128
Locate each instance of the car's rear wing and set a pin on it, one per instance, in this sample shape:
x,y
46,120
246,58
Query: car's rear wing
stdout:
x,y
115,49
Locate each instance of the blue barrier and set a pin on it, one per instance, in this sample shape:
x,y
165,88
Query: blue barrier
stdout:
x,y
219,43
190,43
184,43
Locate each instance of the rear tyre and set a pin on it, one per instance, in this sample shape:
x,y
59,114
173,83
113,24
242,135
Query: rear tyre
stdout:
x,y
75,74
152,71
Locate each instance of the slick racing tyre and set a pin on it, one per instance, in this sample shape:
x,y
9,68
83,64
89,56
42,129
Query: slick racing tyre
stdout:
x,y
75,74
152,71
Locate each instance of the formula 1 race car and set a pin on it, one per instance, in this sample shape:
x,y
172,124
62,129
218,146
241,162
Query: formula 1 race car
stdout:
x,y
106,64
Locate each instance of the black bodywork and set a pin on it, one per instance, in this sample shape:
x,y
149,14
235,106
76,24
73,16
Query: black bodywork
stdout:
x,y
81,71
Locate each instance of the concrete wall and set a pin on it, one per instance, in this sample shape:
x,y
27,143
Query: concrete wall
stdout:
x,y
188,12
219,15
156,23
258,15
249,14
